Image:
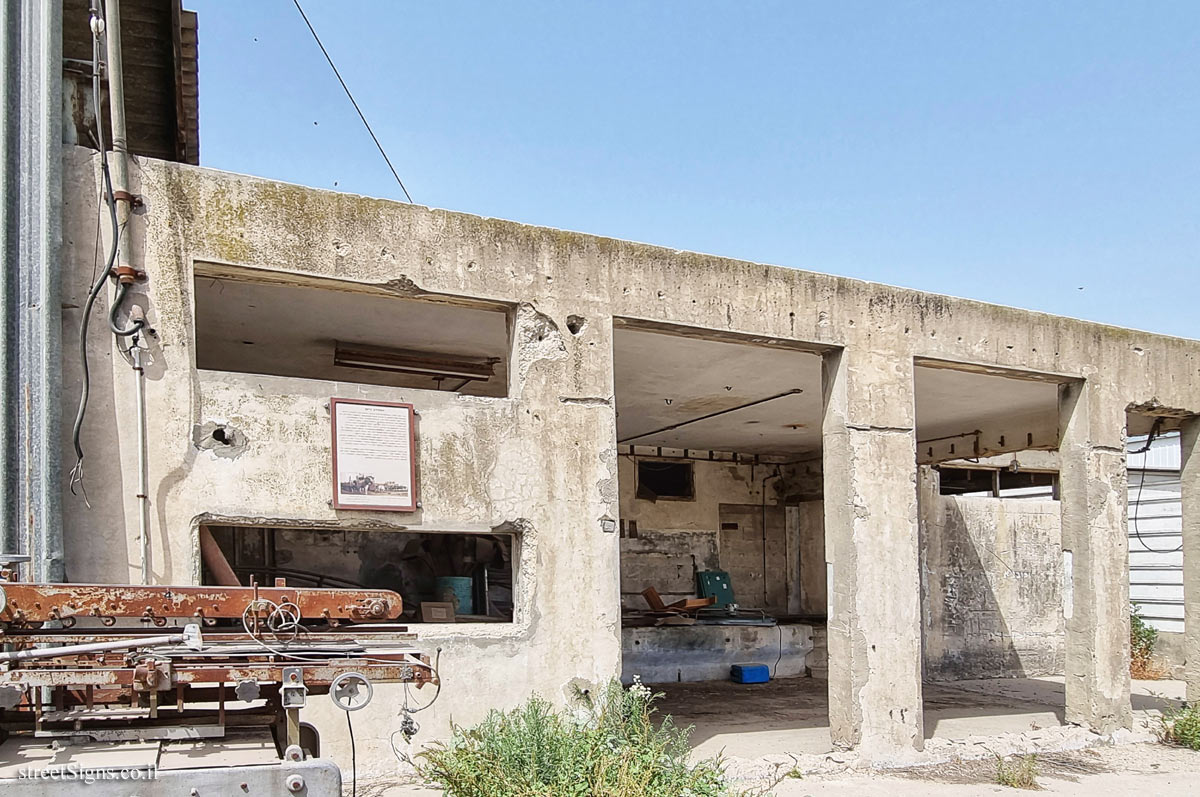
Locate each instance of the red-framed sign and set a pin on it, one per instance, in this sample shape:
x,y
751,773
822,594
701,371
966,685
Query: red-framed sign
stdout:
x,y
374,455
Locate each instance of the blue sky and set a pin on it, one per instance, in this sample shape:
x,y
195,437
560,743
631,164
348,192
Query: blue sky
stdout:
x,y
1011,152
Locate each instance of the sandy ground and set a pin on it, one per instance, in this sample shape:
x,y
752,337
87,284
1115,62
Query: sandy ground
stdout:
x,y
756,727
1144,770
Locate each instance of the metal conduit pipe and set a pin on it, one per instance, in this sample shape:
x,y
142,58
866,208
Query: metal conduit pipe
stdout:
x,y
125,272
143,490
191,637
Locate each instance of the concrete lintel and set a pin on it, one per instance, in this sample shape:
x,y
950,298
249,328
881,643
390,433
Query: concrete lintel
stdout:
x,y
996,370
398,288
1093,495
720,335
874,627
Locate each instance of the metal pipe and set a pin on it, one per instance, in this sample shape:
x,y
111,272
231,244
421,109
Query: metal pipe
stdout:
x,y
116,115
93,647
755,403
143,490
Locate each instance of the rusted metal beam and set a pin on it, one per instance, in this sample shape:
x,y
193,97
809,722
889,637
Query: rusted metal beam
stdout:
x,y
39,603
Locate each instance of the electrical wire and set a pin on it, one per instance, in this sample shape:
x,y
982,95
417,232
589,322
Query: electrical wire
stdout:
x,y
775,669
284,618
264,604
353,102
353,758
76,475
1137,501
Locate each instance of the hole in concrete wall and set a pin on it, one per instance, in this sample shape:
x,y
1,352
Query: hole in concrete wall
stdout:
x,y
474,572
221,438
997,483
670,480
348,332
576,323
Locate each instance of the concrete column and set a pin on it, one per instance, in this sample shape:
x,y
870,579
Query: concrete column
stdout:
x,y
871,553
1095,556
1190,480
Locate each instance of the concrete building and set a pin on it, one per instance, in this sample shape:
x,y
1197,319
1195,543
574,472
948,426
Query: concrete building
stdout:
x,y
599,416
604,351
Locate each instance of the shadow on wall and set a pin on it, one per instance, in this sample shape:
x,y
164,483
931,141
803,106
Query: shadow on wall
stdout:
x,y
991,574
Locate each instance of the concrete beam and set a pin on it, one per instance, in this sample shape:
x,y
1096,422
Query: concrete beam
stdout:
x,y
1093,490
1190,481
872,555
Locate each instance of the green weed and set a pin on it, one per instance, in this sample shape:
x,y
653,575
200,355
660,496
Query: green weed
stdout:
x,y
611,745
1020,773
1181,726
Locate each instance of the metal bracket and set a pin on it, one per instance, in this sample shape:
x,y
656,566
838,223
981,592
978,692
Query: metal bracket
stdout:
x,y
125,196
292,692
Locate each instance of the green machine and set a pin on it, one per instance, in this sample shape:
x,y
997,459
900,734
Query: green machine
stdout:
x,y
725,611
715,584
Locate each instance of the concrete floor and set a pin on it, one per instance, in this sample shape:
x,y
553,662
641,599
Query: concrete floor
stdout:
x,y
789,715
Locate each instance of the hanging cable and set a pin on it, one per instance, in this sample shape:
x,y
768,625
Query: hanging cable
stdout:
x,y
353,102
108,196
1137,501
353,758
76,475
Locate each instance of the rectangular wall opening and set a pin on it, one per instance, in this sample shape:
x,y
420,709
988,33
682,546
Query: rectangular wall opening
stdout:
x,y
991,553
262,322
472,572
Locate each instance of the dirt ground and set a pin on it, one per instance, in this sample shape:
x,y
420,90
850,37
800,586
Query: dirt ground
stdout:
x,y
1145,770
782,727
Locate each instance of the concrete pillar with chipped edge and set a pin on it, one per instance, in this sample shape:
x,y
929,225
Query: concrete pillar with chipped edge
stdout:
x,y
871,545
1092,483
1190,481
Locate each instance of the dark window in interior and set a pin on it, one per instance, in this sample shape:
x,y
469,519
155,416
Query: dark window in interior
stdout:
x,y
958,481
998,482
474,572
1030,483
657,479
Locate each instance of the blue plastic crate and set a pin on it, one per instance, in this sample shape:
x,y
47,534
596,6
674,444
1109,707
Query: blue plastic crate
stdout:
x,y
750,673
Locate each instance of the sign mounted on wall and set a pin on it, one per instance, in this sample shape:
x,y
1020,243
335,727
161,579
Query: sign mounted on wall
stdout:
x,y
373,455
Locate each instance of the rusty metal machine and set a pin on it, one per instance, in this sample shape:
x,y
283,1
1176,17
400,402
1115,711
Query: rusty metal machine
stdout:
x,y
201,670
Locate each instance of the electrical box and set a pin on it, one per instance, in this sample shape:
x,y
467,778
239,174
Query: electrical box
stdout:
x,y
715,584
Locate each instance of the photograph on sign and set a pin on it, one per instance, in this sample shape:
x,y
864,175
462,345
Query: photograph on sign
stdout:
x,y
373,464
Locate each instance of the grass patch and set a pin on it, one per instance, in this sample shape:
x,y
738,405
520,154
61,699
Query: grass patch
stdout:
x,y
1019,773
1181,726
609,745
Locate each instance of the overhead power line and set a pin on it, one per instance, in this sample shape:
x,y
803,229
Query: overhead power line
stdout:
x,y
352,100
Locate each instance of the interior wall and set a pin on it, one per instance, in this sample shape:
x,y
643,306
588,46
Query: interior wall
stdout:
x,y
991,585
810,597
663,542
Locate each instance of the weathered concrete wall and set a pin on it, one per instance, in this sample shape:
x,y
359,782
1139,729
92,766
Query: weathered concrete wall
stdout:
x,y
991,572
705,652
808,518
666,560
542,462
676,537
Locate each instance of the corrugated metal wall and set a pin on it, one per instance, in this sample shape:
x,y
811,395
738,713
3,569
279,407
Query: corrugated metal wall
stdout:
x,y
1155,516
